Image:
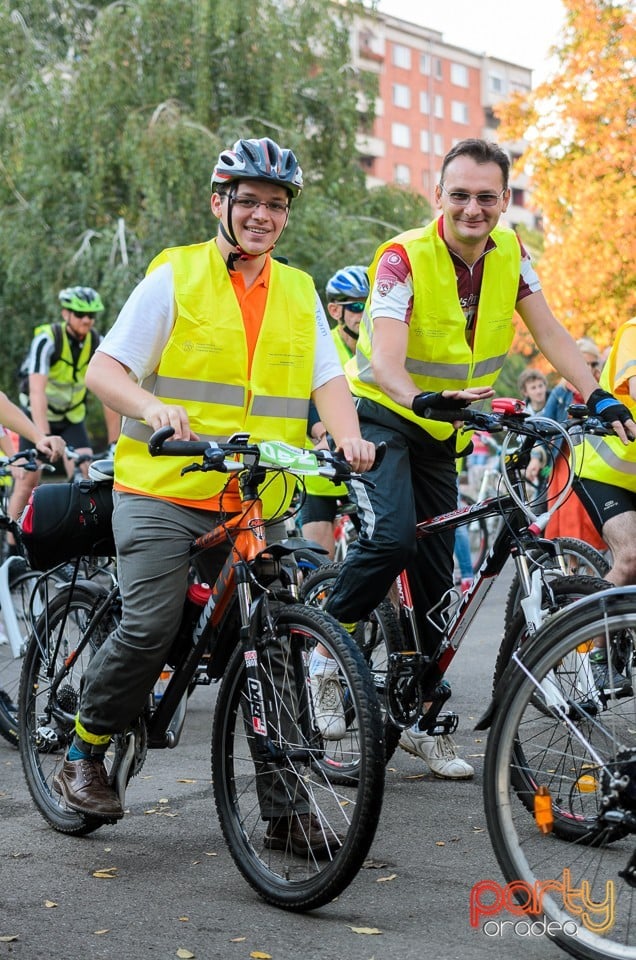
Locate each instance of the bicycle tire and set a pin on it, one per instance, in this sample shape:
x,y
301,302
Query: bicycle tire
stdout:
x,y
561,592
546,751
378,637
296,882
46,724
581,559
21,588
478,534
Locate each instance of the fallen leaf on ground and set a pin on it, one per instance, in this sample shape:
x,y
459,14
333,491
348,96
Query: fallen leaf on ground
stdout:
x,y
211,854
259,955
50,903
368,930
415,776
238,939
391,876
106,873
100,933
440,843
185,780
9,938
371,864
184,954
183,919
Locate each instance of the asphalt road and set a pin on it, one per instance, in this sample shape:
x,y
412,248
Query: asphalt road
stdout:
x,y
168,884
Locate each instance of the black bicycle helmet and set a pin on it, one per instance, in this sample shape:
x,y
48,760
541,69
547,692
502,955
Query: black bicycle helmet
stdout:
x,y
259,160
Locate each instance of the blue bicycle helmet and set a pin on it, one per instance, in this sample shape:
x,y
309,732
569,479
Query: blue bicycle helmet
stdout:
x,y
348,284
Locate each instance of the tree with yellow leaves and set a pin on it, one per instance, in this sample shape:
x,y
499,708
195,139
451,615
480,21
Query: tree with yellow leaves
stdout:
x,y
580,124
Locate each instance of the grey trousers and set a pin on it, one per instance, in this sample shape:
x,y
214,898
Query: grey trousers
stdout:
x,y
153,540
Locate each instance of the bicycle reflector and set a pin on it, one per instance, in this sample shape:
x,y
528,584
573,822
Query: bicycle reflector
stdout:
x,y
543,810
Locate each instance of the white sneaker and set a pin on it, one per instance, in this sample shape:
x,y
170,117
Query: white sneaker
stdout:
x,y
329,712
438,752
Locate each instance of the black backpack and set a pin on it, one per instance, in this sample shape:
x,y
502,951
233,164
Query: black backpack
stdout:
x,y
58,340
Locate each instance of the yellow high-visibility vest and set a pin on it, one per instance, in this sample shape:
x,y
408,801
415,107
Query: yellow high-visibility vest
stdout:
x,y
204,368
438,356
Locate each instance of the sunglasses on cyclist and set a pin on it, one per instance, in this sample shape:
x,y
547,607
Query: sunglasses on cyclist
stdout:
x,y
354,306
80,315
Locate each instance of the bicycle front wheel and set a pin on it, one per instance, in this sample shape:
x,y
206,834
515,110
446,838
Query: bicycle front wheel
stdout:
x,y
21,588
297,838
563,747
49,698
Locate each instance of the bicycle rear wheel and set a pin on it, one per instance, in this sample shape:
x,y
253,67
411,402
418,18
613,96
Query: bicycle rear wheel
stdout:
x,y
580,749
378,637
21,588
49,697
250,794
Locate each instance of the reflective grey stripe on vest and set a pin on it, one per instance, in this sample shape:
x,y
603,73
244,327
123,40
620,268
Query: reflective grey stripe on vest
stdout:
x,y
202,391
608,456
436,371
137,430
284,408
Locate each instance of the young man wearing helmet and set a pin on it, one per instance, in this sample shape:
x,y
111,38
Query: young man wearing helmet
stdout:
x,y
346,293
213,334
56,368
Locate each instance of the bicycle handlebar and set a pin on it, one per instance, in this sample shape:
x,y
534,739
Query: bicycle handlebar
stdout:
x,y
270,454
34,460
512,417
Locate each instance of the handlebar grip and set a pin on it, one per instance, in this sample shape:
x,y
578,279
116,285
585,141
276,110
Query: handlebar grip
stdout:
x,y
445,416
160,445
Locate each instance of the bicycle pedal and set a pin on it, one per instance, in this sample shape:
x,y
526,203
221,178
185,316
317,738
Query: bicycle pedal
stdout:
x,y
445,724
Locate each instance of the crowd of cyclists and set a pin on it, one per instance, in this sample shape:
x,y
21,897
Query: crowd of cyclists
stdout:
x,y
221,337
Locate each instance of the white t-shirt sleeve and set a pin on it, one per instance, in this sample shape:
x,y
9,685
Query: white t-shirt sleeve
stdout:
x,y
142,329
327,364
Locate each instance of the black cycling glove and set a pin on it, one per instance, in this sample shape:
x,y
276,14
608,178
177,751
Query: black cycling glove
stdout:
x,y
436,401
606,407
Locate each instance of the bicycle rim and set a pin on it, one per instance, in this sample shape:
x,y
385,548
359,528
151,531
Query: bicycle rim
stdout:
x,y
529,748
10,665
46,719
248,795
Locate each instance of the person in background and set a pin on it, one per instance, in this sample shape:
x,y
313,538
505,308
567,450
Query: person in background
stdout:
x,y
533,387
606,485
56,375
346,292
571,519
435,335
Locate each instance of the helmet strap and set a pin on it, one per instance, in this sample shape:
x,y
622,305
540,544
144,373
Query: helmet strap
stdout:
x,y
349,331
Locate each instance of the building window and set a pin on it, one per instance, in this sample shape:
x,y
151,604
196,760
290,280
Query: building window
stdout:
x,y
438,145
438,68
517,197
425,102
496,82
401,56
402,174
439,107
459,111
401,96
425,64
400,135
459,74
425,141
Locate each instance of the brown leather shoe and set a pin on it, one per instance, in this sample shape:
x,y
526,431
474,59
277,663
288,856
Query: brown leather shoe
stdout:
x,y
84,787
304,835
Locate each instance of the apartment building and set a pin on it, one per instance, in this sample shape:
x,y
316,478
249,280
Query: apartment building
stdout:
x,y
431,94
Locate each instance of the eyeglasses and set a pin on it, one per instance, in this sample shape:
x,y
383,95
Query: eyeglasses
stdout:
x,y
594,364
247,203
80,316
461,199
